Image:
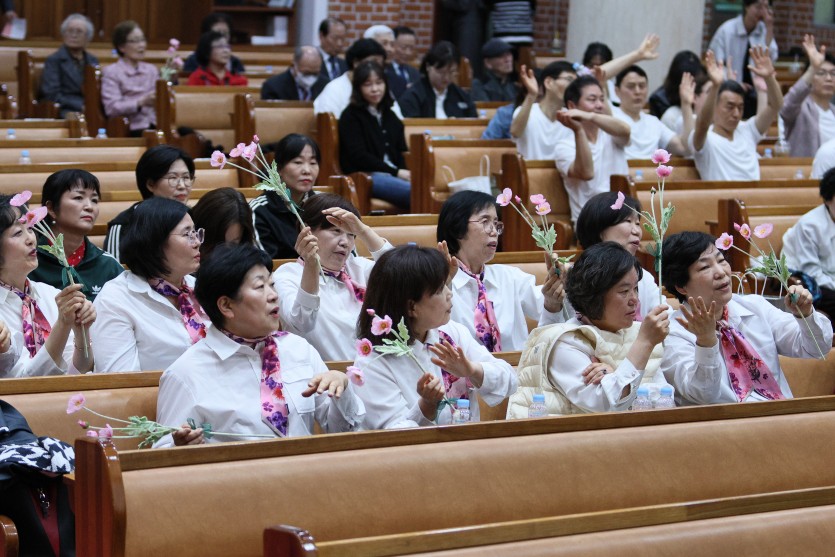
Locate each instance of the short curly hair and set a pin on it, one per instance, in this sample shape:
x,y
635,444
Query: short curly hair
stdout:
x,y
598,269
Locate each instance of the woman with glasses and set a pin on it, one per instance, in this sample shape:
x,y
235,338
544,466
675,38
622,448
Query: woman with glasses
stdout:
x,y
436,95
162,171
128,86
148,316
492,301
62,79
808,112
213,55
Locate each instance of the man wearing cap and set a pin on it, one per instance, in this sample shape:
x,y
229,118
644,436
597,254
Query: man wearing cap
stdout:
x,y
497,83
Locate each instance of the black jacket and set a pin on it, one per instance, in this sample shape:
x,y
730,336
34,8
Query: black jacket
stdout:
x,y
397,84
419,102
116,230
490,88
276,228
363,142
62,80
283,87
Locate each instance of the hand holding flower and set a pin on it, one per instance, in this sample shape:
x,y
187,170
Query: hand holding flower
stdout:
x,y
187,436
5,338
799,301
431,392
70,301
332,382
452,359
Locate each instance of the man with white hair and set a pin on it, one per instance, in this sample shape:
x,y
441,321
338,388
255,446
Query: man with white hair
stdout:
x,y
301,82
383,35
63,73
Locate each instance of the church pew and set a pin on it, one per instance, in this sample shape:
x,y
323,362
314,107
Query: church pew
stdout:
x,y
487,109
451,128
116,126
271,120
777,168
9,541
44,128
78,150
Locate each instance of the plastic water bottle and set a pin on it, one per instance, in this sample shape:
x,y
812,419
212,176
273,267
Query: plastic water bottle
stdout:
x,y
642,401
102,134
24,157
798,174
482,113
639,175
666,398
537,409
768,154
462,412
10,134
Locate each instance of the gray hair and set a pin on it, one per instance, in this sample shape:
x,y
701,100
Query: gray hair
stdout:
x,y
300,51
80,17
374,30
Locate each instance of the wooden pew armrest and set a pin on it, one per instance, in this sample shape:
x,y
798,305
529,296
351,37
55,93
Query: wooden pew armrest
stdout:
x,y
363,182
288,541
9,542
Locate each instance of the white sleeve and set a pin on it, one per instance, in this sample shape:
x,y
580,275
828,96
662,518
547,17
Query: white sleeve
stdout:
x,y
175,405
500,381
564,154
385,405
806,257
793,337
694,371
114,338
298,308
336,415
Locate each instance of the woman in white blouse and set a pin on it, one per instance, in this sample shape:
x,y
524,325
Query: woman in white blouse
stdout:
x,y
45,323
409,283
148,315
491,301
595,361
322,306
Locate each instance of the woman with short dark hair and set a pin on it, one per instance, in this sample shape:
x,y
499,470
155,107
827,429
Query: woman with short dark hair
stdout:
x,y
213,55
436,95
72,198
594,362
148,315
225,216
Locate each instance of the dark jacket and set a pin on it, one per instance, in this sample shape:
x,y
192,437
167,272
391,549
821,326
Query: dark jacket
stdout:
x,y
116,230
340,62
419,102
95,269
658,102
397,83
62,80
235,64
490,88
283,87
363,142
276,228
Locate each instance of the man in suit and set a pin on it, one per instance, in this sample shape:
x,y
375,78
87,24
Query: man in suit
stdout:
x,y
400,73
301,82
63,73
332,33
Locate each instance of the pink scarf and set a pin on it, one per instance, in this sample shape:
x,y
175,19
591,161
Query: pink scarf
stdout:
x,y
455,387
486,324
192,319
36,328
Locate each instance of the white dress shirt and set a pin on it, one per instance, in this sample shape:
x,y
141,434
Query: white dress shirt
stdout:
x,y
336,96
731,39
328,320
17,362
390,389
809,246
824,159
514,294
440,112
218,381
699,374
137,328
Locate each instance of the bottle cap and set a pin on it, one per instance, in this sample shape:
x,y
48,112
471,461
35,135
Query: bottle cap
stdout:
x,y
102,130
666,390
643,391
24,153
10,132
463,403
539,397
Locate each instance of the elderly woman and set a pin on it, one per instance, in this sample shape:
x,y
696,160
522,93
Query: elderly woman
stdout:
x,y
62,79
724,347
595,361
436,95
128,86
246,377
72,198
162,171
148,316
213,55
491,301
323,306
45,323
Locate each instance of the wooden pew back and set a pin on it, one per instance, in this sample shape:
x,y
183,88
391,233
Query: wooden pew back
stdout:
x,y
402,229
271,120
452,128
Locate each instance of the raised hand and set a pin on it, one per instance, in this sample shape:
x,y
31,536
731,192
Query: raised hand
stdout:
x,y
554,288
656,325
761,62
700,320
648,50
801,306
714,69
452,359
69,301
816,57
528,79
307,246
687,89
344,220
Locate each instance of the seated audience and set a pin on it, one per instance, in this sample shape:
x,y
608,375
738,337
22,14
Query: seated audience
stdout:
x,y
400,73
491,301
667,96
247,377
596,55
723,347
436,95
128,87
724,147
301,81
372,138
225,216
213,54
595,361
383,35
807,110
148,315
535,126
72,198
276,228
46,324
332,32
808,245
498,82
220,22
62,80
162,171
409,283
322,304
824,160
499,125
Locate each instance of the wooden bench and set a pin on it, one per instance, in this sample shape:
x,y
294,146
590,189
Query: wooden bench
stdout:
x,y
116,126
77,150
44,128
271,120
778,168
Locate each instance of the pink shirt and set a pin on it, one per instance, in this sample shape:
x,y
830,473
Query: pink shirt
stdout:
x,y
123,85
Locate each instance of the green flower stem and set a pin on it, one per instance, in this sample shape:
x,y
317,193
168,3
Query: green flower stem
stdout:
x,y
105,417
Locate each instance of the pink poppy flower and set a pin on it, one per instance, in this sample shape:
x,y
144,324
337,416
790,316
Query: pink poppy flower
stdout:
x,y
106,432
255,138
356,375
543,208
371,312
178,63
619,203
517,199
660,156
21,198
249,152
83,424
171,51
238,150
663,171
763,230
92,433
76,403
725,241
503,198
218,159
381,326
33,217
538,199
174,43
364,347
744,230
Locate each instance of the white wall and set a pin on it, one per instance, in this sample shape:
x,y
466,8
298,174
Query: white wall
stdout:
x,y
622,24
309,13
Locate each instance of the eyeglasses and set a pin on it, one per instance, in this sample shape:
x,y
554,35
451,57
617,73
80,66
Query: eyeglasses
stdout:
x,y
223,46
193,236
75,32
137,41
174,181
489,225
824,73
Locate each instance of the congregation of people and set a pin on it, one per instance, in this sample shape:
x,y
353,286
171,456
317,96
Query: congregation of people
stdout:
x,y
191,289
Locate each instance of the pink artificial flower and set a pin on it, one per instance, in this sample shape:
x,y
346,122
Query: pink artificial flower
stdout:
x,y
218,159
21,198
380,326
660,156
83,424
364,347
356,376
763,230
371,312
619,203
238,150
538,199
503,198
543,208
178,63
76,403
171,51
249,152
663,171
106,432
255,138
744,230
725,241
517,199
174,43
92,433
33,217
